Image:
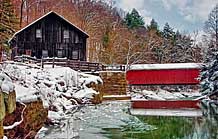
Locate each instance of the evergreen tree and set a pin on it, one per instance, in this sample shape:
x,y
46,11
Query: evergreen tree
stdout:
x,y
209,70
133,19
177,37
168,32
168,35
8,23
153,25
209,74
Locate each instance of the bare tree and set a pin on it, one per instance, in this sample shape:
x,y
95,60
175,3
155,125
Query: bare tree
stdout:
x,y
211,25
139,51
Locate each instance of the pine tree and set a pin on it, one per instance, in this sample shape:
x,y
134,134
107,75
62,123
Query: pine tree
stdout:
x,y
168,32
168,35
153,25
209,84
209,74
133,19
8,22
209,70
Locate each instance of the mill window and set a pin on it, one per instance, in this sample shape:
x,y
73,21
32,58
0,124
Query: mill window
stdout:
x,y
38,33
66,34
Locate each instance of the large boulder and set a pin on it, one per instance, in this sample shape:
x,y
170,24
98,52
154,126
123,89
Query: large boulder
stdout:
x,y
34,117
7,106
97,98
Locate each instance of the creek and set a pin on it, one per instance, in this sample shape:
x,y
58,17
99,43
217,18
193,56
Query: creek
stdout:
x,y
112,120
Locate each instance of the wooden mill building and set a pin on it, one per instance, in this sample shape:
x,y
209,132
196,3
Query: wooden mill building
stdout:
x,y
50,36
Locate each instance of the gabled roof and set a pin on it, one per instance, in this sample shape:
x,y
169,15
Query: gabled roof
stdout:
x,y
51,12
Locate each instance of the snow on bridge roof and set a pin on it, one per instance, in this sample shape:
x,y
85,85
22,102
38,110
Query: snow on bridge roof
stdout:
x,y
165,66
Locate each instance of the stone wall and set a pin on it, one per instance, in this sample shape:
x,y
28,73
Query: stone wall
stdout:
x,y
114,83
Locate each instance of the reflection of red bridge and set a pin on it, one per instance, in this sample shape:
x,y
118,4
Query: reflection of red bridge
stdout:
x,y
164,74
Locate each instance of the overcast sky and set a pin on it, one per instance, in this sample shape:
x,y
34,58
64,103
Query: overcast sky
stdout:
x,y
185,15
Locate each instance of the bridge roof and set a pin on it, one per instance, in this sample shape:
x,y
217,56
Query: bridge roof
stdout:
x,y
166,66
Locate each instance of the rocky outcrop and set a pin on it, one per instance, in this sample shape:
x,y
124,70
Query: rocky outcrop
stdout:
x,y
34,117
97,98
114,83
7,106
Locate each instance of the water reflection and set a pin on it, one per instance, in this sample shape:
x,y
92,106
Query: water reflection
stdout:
x,y
163,128
111,120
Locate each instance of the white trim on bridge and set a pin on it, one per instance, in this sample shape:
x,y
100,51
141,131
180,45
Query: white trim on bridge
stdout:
x,y
166,66
167,112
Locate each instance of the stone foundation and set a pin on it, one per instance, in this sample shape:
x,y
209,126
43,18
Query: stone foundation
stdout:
x,y
114,83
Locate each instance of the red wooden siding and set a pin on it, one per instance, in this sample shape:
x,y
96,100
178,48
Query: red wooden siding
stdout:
x,y
163,77
161,104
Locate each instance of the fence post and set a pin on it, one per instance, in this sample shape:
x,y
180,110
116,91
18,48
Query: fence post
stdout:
x,y
89,67
22,59
42,63
53,62
98,67
68,63
79,65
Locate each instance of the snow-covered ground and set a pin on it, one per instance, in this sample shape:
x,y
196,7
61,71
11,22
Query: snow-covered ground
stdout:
x,y
59,87
164,95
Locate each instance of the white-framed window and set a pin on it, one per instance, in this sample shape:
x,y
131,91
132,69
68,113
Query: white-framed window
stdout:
x,y
66,34
38,33
76,38
60,53
44,53
75,54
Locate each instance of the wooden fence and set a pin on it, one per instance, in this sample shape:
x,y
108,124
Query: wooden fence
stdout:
x,y
76,65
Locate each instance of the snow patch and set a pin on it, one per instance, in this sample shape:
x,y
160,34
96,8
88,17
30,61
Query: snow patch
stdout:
x,y
6,83
161,94
52,115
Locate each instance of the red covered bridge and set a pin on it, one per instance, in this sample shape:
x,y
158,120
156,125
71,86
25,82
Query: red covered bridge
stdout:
x,y
164,74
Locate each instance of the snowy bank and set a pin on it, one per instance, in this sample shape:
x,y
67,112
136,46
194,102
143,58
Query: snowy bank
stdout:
x,y
52,85
59,88
49,92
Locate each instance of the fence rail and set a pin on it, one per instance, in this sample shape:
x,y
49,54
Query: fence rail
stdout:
x,y
76,65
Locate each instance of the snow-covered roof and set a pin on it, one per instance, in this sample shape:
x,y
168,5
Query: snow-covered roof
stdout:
x,y
165,66
44,17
